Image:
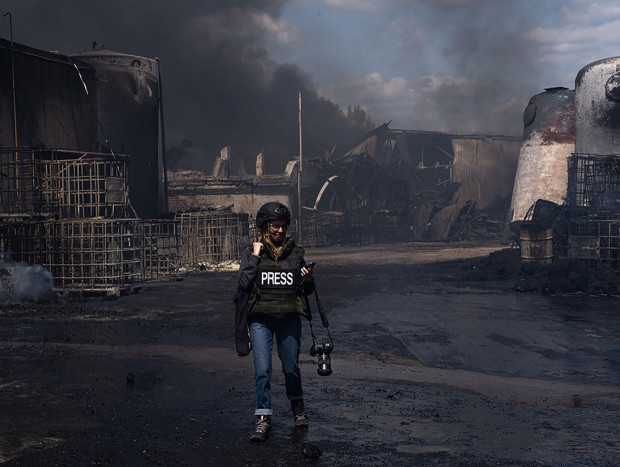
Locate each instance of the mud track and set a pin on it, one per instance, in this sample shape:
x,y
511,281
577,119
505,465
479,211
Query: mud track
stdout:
x,y
440,359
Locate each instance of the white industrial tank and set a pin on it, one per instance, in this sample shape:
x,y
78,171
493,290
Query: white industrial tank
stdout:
x,y
597,108
548,140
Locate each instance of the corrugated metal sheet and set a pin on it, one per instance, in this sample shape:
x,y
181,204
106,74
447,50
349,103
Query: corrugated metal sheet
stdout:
x,y
485,168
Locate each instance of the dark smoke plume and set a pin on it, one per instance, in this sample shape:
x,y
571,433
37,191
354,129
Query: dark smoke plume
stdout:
x,y
219,85
497,68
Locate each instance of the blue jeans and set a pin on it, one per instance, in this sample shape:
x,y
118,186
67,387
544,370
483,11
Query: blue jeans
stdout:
x,y
288,334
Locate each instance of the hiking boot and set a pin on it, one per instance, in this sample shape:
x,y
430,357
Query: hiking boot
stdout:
x,y
261,431
299,413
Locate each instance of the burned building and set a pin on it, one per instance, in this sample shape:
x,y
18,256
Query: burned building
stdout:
x,y
395,185
229,186
437,184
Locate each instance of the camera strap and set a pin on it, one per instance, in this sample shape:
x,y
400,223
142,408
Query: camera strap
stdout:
x,y
321,309
324,319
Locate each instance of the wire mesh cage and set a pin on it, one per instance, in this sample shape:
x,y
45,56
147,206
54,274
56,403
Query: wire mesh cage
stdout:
x,y
91,185
594,238
89,255
160,249
360,228
591,225
594,182
20,183
321,228
388,227
209,237
5,253
66,184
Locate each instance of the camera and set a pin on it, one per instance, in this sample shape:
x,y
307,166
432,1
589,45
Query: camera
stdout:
x,y
325,361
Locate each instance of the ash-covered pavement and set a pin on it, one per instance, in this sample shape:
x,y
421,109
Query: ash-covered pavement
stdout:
x,y
438,360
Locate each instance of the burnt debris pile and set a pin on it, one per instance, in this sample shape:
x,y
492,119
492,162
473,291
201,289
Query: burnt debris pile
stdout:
x,y
399,185
395,185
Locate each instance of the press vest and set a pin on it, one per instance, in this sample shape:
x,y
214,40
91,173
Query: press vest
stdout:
x,y
278,288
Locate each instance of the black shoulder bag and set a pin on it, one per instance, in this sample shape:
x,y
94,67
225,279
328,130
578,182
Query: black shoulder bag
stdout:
x,y
242,335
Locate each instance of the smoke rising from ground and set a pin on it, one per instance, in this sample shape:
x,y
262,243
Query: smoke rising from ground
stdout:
x,y
21,281
219,85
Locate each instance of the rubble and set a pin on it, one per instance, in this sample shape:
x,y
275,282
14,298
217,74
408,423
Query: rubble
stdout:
x,y
395,185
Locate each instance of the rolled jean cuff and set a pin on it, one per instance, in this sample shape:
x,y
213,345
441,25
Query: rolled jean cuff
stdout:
x,y
263,412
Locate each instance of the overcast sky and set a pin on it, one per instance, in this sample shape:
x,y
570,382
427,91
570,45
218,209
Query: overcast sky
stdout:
x,y
446,65
455,65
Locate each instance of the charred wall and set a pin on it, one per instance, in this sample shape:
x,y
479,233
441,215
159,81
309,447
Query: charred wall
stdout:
x,y
485,168
196,191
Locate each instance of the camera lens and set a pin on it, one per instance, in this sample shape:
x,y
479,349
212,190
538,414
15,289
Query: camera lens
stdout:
x,y
325,365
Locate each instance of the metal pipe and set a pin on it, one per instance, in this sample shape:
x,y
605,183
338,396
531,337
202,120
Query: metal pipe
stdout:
x,y
299,170
163,140
13,79
16,156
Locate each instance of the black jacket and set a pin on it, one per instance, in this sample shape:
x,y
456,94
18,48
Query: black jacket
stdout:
x,y
248,270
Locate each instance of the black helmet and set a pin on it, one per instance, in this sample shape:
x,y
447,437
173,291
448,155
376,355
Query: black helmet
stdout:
x,y
271,212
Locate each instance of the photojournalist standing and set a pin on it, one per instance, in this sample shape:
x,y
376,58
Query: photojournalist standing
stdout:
x,y
277,280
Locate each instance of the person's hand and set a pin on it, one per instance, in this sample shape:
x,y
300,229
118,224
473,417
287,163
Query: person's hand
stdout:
x,y
258,246
306,273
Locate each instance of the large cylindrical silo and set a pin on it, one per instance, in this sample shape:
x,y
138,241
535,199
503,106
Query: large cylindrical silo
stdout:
x,y
128,120
548,140
597,108
46,100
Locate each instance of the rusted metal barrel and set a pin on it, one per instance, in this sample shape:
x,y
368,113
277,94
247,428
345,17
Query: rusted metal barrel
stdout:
x,y
536,244
597,108
548,140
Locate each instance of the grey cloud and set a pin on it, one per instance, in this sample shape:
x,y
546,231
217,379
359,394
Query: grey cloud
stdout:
x,y
487,48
